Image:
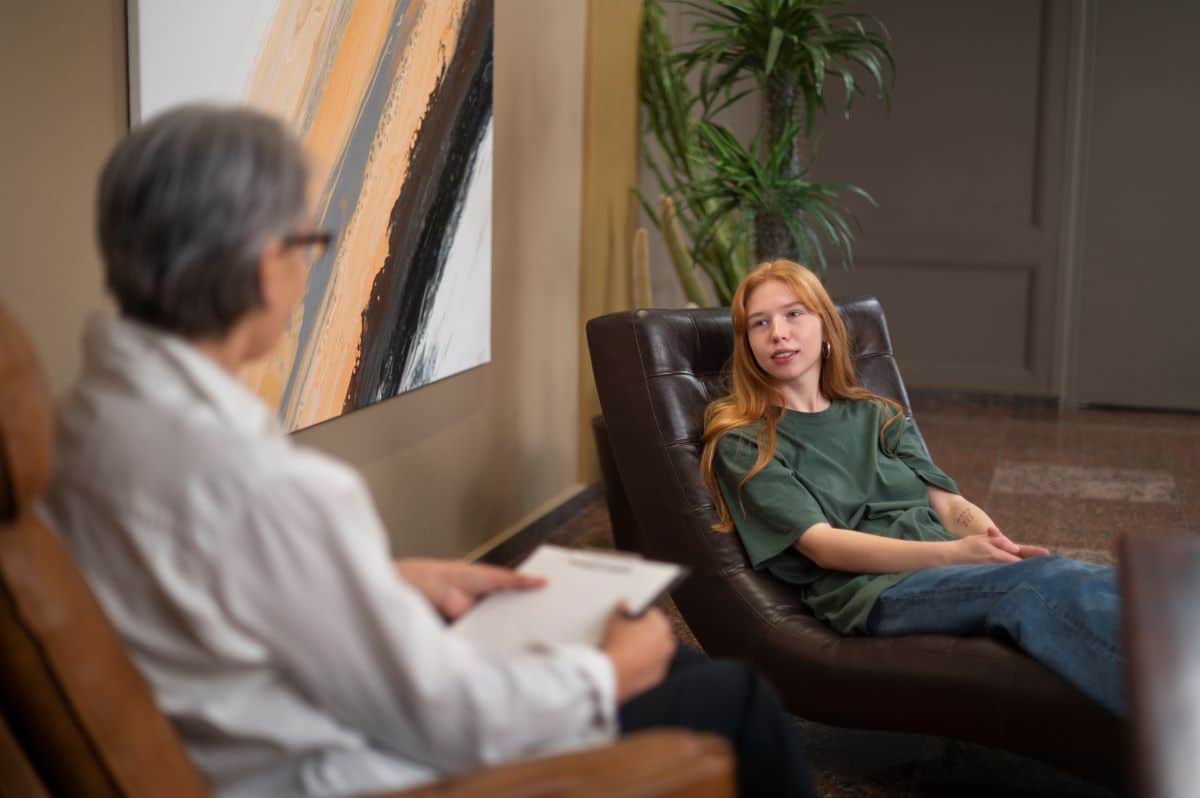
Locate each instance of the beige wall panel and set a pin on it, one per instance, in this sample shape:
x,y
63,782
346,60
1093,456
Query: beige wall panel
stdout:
x,y
451,464
610,173
62,89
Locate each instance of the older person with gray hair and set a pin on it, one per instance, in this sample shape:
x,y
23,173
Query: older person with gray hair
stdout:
x,y
250,577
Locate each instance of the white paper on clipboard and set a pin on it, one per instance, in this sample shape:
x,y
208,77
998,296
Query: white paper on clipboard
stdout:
x,y
582,588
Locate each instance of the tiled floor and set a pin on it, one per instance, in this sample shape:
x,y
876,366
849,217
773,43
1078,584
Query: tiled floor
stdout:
x,y
1074,481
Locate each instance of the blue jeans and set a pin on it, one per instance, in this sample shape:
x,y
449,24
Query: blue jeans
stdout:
x,y
1063,613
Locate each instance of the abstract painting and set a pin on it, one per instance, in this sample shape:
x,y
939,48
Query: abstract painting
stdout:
x,y
393,100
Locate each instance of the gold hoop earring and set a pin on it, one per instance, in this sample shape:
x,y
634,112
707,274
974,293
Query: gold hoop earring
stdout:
x,y
825,349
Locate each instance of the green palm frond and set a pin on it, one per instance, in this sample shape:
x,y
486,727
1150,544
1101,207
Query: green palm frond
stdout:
x,y
794,42
739,183
729,199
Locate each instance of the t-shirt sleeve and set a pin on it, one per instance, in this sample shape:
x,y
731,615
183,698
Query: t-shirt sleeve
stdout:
x,y
773,509
912,453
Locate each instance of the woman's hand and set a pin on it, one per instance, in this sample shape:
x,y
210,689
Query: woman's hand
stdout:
x,y
640,650
453,587
1021,550
991,548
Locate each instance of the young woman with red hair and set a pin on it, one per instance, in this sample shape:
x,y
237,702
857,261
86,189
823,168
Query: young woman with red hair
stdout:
x,y
830,489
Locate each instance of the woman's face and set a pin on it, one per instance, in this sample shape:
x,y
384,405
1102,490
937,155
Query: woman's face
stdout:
x,y
784,335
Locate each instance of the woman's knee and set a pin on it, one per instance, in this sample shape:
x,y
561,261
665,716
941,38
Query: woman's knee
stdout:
x,y
1059,576
1084,595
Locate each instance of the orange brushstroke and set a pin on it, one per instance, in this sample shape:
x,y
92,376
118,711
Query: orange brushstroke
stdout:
x,y
328,363
314,69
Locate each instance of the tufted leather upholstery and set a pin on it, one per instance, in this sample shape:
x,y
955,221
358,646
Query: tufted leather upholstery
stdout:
x,y
656,371
79,720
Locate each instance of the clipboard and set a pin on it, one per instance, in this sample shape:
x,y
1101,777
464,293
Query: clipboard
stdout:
x,y
582,588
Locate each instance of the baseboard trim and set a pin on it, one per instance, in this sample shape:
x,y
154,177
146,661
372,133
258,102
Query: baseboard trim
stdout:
x,y
933,398
512,547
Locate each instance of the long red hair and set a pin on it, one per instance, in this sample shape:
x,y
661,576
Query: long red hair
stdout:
x,y
755,396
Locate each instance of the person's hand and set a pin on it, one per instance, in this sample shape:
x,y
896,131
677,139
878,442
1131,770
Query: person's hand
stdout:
x,y
453,587
984,549
1021,550
640,650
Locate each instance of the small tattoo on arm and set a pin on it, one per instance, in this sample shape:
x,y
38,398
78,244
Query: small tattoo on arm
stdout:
x,y
965,518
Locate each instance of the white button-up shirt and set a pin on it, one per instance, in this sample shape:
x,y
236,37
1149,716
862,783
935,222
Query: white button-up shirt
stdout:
x,y
251,581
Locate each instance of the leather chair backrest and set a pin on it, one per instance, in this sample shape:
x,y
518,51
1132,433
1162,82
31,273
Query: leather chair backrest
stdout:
x,y
71,697
656,372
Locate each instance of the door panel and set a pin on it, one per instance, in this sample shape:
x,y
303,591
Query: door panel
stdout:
x,y
962,248
1138,332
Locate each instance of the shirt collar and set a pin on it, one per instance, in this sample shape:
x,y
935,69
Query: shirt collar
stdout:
x,y
150,357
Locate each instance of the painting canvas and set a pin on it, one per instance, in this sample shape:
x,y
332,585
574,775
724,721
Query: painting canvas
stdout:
x,y
393,100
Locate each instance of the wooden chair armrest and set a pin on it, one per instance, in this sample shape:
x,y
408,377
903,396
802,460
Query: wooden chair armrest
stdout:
x,y
16,773
1160,595
667,763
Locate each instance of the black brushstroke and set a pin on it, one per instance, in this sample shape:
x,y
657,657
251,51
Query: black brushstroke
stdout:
x,y
425,215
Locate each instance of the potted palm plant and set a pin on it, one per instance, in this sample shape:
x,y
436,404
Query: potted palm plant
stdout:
x,y
727,204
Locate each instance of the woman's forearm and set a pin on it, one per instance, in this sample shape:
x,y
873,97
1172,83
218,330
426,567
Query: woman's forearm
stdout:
x,y
860,552
863,553
968,519
958,516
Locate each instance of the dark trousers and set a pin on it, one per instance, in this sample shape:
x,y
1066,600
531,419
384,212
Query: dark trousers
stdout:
x,y
727,698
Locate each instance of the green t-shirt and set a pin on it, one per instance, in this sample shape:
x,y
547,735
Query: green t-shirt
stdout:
x,y
829,467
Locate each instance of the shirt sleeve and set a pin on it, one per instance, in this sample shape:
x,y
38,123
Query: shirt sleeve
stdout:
x,y
912,453
316,584
773,509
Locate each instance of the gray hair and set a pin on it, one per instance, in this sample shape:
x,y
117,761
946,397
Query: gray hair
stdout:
x,y
186,204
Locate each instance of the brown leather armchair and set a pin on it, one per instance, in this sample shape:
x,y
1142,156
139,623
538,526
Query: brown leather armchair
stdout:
x,y
78,719
656,371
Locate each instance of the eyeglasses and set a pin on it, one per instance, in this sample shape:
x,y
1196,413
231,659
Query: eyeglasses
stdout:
x,y
321,239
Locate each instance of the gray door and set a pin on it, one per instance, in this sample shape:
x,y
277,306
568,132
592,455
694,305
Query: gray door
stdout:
x,y
967,170
1138,335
